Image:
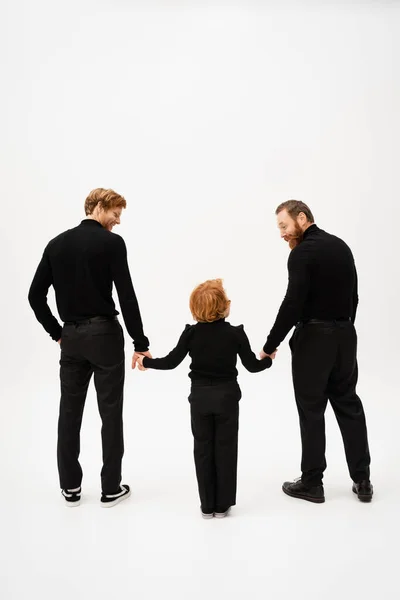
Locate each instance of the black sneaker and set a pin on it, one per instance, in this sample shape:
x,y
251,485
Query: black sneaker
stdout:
x,y
109,500
297,489
72,498
364,490
206,513
220,513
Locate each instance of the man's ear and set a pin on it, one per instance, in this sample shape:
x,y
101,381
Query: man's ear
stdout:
x,y
302,218
97,211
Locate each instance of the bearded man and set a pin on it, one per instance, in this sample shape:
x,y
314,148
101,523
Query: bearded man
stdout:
x,y
321,302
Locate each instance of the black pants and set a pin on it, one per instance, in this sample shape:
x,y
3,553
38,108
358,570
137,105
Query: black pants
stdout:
x,y
92,347
324,365
215,423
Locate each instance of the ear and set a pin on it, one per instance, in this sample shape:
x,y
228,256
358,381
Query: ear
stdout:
x,y
302,218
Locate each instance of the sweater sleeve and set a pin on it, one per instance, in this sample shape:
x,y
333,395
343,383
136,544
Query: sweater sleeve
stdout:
x,y
355,297
126,295
247,356
293,302
175,357
37,297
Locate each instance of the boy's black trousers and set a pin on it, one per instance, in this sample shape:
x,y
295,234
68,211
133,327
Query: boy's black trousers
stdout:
x,y
215,424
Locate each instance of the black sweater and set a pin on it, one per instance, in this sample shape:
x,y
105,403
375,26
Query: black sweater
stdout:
x,y
322,284
82,264
213,348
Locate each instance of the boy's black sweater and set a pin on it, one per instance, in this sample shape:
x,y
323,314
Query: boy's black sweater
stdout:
x,y
213,348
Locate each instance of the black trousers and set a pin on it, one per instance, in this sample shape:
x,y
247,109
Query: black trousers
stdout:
x,y
324,366
94,347
215,423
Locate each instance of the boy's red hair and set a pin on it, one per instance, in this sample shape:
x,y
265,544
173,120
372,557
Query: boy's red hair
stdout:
x,y
209,302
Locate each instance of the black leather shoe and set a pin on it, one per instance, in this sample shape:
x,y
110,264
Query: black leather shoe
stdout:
x,y
364,490
297,489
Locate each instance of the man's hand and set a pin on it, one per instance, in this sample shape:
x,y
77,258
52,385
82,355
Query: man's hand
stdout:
x,y
136,356
59,341
140,363
264,355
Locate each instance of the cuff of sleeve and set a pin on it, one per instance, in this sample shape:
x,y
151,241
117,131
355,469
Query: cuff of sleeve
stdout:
x,y
141,343
146,362
56,335
140,346
268,349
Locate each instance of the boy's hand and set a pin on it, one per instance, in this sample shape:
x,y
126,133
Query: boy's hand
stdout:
x,y
140,363
272,356
136,357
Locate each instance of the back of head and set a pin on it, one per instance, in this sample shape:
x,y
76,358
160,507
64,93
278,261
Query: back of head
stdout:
x,y
209,302
294,208
105,199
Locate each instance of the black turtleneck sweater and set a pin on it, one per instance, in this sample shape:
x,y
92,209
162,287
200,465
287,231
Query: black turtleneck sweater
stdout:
x,y
82,264
213,348
322,284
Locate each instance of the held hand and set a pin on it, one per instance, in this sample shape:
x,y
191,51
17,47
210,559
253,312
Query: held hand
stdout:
x,y
136,356
140,363
271,356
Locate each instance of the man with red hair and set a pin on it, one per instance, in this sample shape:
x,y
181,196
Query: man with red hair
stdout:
x,y
82,264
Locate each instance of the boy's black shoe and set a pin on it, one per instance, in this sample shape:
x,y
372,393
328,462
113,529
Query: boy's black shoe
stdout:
x,y
110,500
297,489
72,498
206,513
220,513
364,490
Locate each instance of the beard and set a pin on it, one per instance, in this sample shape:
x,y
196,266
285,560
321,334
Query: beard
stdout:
x,y
297,237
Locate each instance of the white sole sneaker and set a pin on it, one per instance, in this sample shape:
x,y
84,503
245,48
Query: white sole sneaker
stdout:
x,y
116,498
222,515
72,498
207,515
72,504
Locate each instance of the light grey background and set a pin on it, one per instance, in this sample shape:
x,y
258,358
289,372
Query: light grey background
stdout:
x,y
205,116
